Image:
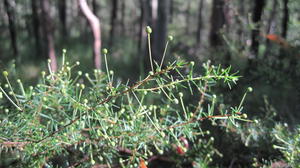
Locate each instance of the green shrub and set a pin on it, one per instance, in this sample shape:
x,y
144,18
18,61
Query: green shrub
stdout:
x,y
68,120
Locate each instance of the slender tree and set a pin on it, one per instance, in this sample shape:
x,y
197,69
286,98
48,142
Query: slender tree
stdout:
x,y
113,21
36,27
256,19
188,16
217,23
95,27
199,24
171,11
123,14
62,10
49,31
95,6
9,7
161,27
285,18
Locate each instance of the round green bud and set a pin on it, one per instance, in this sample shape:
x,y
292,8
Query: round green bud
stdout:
x,y
44,99
64,50
176,101
192,63
86,75
82,86
180,94
85,101
170,38
244,115
10,93
255,121
49,60
104,51
151,73
93,162
19,80
79,73
67,63
77,63
148,30
6,110
5,73
111,72
214,96
43,73
250,89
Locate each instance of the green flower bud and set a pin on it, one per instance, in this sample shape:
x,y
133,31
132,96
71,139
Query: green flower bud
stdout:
x,y
64,50
151,73
5,73
104,51
180,94
176,101
148,30
244,115
170,38
77,63
19,80
192,63
250,89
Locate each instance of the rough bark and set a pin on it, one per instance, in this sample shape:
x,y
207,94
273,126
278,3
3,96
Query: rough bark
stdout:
x,y
217,23
95,27
49,31
199,24
113,21
285,19
8,4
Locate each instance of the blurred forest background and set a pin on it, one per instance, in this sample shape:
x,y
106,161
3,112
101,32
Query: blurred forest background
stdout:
x,y
259,38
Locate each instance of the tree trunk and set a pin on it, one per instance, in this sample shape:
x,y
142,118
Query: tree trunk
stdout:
x,y
285,19
49,31
62,5
217,23
160,31
257,14
95,6
95,26
36,28
142,33
171,11
8,4
188,17
154,11
113,19
270,24
123,7
199,24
